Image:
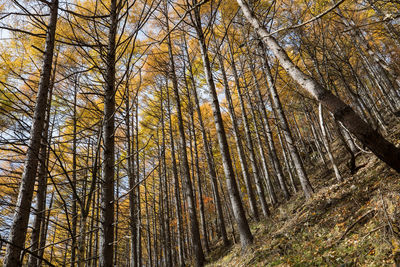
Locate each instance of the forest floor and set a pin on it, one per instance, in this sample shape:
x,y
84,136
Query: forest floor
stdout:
x,y
353,223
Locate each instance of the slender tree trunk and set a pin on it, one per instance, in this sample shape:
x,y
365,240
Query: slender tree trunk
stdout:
x,y
327,145
116,220
315,134
131,181
74,183
269,138
268,182
194,225
165,212
300,136
39,220
107,196
208,152
96,225
53,240
246,238
19,225
177,193
44,231
163,235
149,250
277,105
198,173
239,145
288,161
139,209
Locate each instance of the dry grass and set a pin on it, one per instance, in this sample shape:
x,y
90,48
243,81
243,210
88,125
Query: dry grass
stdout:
x,y
354,223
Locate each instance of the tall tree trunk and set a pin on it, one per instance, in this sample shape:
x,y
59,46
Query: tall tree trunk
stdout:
x,y
269,138
74,184
116,219
85,210
277,105
198,172
165,212
131,181
139,210
239,145
163,235
107,196
246,238
177,194
149,250
208,153
194,225
39,220
19,225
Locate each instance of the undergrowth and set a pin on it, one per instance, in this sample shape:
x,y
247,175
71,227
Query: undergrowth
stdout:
x,y
353,223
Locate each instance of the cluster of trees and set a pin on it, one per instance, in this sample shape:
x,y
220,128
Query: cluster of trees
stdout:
x,y
142,132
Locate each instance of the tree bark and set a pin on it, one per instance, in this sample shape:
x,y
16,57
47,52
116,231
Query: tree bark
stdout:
x,y
246,238
239,145
19,225
194,225
107,196
277,105
270,140
177,194
327,145
209,157
39,220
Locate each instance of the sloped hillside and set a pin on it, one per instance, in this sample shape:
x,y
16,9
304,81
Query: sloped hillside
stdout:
x,y
353,223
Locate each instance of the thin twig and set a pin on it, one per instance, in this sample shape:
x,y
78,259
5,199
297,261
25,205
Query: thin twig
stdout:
x,y
354,223
26,251
308,21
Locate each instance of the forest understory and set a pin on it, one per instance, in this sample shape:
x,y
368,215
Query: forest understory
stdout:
x,y
352,223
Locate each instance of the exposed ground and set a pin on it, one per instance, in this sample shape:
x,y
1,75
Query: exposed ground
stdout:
x,y
353,223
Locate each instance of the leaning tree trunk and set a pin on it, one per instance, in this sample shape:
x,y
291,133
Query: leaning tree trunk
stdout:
x,y
19,225
382,148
